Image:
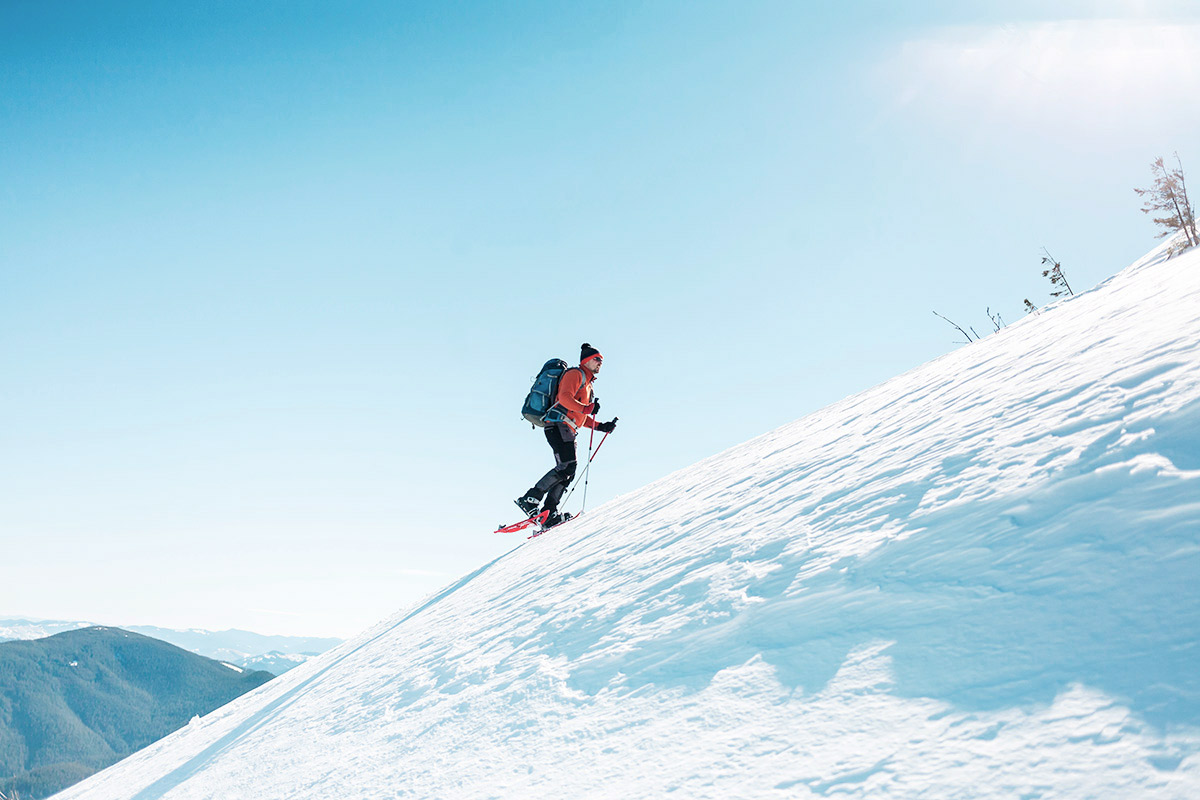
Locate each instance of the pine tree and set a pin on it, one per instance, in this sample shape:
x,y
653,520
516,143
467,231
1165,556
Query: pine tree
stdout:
x,y
1168,196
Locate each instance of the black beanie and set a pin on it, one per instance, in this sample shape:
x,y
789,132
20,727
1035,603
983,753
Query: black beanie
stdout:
x,y
586,352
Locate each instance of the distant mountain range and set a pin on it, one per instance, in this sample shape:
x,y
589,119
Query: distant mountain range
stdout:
x,y
78,701
275,654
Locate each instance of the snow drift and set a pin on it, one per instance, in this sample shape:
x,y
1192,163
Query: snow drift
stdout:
x,y
975,580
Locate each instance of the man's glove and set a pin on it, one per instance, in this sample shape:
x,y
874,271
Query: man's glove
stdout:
x,y
595,408
607,427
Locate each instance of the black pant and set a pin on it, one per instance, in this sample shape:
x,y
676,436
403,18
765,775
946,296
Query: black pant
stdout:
x,y
561,437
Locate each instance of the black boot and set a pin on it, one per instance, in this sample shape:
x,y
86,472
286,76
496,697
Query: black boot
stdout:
x,y
528,504
555,518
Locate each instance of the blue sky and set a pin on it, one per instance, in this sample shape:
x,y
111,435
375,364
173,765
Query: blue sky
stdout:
x,y
274,279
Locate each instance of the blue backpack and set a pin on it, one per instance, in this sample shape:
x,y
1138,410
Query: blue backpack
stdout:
x,y
543,396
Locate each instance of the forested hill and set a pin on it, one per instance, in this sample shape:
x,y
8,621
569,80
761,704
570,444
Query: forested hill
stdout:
x,y
73,703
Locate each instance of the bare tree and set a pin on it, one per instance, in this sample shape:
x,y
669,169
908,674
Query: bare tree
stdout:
x,y
997,320
1168,196
1030,308
1055,274
960,330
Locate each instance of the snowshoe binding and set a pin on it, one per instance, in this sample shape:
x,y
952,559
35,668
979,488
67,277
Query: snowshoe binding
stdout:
x,y
552,519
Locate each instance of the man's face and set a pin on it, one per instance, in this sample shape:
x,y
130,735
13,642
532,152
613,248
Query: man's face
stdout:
x,y
594,364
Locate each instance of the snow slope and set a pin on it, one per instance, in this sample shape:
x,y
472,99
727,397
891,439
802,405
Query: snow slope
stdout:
x,y
974,580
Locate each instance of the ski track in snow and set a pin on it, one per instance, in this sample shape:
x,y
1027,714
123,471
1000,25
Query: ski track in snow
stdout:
x,y
976,580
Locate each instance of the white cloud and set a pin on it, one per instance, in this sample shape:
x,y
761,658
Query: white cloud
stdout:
x,y
1108,77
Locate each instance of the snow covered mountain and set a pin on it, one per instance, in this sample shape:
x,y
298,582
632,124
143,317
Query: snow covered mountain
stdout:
x,y
25,629
975,580
275,654
253,651
274,662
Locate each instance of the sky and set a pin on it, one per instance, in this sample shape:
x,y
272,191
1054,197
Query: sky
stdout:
x,y
275,277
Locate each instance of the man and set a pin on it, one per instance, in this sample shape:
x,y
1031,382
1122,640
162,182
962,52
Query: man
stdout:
x,y
574,407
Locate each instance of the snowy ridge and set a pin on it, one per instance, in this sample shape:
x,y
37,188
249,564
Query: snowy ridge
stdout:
x,y
19,629
252,651
974,580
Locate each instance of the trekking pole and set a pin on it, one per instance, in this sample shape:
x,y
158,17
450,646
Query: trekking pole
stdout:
x,y
591,438
602,440
585,471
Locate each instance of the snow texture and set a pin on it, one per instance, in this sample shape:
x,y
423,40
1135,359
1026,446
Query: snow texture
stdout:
x,y
977,580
